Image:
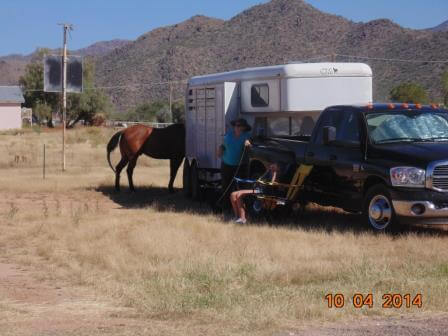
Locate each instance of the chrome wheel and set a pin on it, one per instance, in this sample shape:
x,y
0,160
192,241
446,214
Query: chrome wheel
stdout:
x,y
380,212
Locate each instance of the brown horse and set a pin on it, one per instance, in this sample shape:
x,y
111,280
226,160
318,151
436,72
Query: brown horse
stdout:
x,y
158,143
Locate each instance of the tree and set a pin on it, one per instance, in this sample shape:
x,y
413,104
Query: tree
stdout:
x,y
409,93
143,112
445,88
42,111
158,111
178,111
32,83
163,114
90,102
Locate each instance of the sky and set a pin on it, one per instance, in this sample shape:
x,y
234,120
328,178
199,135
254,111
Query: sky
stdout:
x,y
28,24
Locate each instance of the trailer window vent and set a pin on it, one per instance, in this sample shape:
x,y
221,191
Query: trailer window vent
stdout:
x,y
260,95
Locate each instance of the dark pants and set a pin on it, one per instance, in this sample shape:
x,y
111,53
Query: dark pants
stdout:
x,y
227,174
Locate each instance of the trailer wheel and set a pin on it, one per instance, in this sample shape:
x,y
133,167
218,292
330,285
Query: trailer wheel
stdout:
x,y
186,180
196,191
378,210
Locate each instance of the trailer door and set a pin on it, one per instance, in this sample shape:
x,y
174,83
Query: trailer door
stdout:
x,y
226,110
210,108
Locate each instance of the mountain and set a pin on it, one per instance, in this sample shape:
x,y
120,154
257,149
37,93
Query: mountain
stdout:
x,y
276,32
13,66
101,48
443,27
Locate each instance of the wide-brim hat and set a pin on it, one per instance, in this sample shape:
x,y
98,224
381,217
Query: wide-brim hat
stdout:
x,y
243,122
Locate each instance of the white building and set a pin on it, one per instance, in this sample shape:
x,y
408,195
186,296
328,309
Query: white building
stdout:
x,y
11,100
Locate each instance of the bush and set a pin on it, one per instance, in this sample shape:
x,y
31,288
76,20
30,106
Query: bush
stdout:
x,y
409,93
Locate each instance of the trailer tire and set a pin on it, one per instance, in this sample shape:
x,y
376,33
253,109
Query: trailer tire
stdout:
x,y
186,179
196,191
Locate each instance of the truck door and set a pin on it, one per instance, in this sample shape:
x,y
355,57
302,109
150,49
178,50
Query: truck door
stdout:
x,y
335,176
347,157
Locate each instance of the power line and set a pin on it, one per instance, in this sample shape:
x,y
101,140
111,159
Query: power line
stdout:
x,y
132,86
392,59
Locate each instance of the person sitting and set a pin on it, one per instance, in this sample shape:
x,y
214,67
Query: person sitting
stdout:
x,y
236,198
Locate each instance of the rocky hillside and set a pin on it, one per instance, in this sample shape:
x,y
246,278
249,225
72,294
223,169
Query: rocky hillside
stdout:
x,y
443,27
277,32
13,66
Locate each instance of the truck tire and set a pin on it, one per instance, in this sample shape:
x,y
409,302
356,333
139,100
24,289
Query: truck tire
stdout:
x,y
186,179
196,191
378,211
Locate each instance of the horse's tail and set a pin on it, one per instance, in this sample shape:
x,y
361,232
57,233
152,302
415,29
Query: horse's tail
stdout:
x,y
113,143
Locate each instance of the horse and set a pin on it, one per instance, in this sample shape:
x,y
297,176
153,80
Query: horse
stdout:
x,y
158,143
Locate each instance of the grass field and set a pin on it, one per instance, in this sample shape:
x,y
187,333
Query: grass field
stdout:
x,y
187,269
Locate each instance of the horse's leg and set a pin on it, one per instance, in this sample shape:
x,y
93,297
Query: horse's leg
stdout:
x,y
123,162
130,171
174,166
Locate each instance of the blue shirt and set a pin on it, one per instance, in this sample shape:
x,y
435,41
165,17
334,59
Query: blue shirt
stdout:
x,y
234,147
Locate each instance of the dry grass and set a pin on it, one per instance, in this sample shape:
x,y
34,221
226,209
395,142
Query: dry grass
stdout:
x,y
179,264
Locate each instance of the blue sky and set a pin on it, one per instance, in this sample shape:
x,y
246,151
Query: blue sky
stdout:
x,y
28,24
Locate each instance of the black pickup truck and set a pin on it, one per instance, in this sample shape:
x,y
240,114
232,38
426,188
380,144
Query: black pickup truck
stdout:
x,y
387,161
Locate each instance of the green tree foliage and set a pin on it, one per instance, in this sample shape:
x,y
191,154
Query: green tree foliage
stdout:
x,y
445,88
82,106
163,114
158,111
409,93
143,112
32,83
178,110
42,111
90,103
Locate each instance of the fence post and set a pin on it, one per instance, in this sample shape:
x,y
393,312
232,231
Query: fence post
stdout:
x,y
43,168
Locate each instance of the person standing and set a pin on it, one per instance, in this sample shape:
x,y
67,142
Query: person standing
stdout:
x,y
231,152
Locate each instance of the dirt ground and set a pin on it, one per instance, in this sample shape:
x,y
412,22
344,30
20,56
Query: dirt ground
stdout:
x,y
30,305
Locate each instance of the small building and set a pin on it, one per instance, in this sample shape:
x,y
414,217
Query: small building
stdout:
x,y
11,100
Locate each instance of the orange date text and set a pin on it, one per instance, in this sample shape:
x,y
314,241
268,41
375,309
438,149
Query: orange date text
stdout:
x,y
390,300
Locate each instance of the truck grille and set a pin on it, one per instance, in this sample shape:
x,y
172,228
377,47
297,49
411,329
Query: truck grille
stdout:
x,y
440,177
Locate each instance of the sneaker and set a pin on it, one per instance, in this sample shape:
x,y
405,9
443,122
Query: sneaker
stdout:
x,y
240,221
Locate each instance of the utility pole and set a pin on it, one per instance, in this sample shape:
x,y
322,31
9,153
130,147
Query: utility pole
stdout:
x,y
171,99
169,75
66,27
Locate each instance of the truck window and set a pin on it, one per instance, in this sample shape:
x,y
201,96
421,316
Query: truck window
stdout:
x,y
302,126
259,95
349,131
278,126
289,126
333,118
407,125
346,123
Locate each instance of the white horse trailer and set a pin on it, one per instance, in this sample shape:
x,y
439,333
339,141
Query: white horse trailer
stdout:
x,y
281,100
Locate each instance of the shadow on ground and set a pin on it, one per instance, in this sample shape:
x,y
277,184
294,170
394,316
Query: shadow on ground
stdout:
x,y
313,218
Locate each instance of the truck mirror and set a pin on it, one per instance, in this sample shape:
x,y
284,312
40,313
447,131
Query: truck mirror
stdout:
x,y
329,134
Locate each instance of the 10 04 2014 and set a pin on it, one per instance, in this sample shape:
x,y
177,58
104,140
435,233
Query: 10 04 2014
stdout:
x,y
389,300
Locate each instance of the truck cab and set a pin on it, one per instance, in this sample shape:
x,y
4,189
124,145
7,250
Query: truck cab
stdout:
x,y
387,161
